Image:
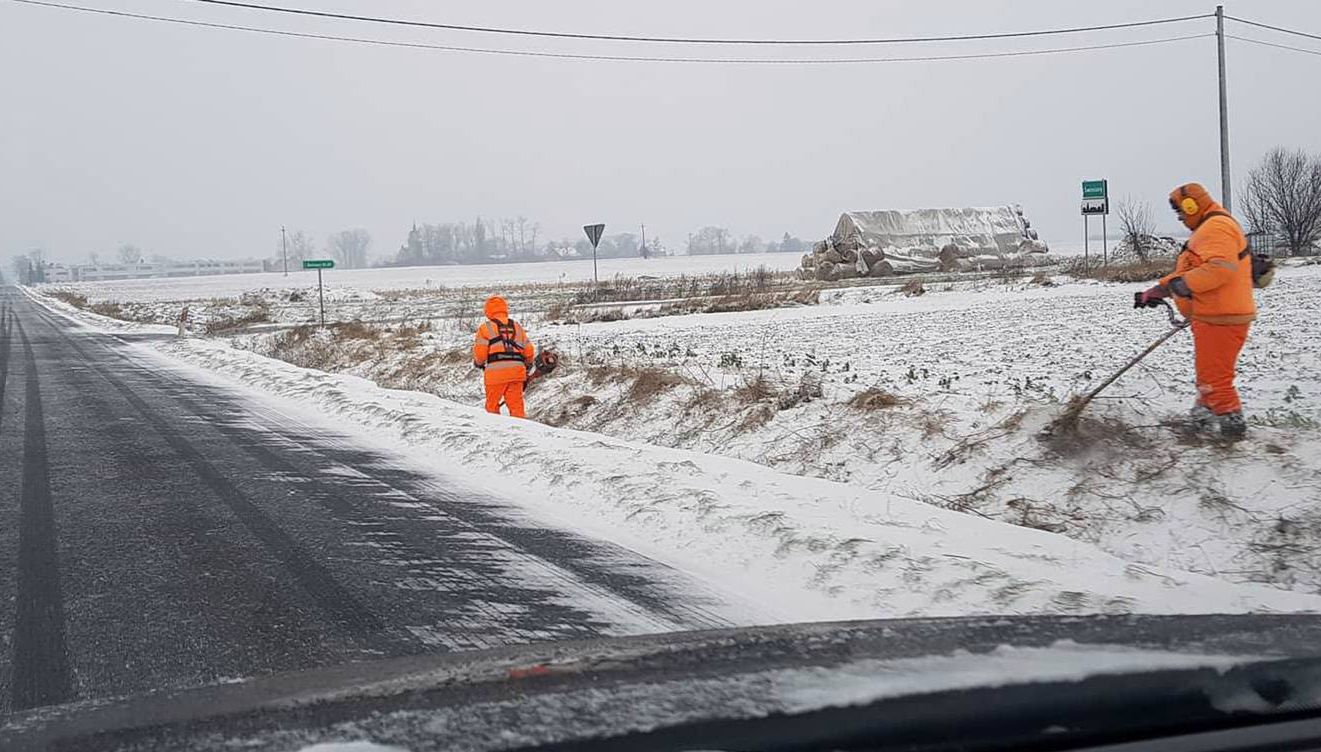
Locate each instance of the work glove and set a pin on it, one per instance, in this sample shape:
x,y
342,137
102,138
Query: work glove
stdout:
x,y
1150,298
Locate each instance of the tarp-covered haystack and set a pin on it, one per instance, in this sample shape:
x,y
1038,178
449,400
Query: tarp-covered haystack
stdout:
x,y
881,243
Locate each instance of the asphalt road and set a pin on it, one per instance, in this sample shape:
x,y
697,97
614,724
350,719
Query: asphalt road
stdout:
x,y
157,532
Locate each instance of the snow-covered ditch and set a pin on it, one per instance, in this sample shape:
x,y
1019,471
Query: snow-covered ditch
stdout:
x,y
939,398
807,547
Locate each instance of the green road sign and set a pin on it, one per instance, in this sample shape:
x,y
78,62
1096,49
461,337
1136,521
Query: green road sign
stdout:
x,y
1094,189
318,264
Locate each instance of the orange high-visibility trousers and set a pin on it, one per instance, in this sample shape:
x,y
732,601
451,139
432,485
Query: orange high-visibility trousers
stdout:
x,y
512,394
1215,354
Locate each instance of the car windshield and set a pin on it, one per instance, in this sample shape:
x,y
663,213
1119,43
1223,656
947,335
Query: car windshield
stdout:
x,y
347,347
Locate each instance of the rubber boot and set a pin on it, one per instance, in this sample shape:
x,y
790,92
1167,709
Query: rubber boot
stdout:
x,y
1232,425
1201,418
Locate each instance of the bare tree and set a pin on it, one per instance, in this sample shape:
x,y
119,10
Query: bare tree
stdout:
x,y
1137,226
130,254
349,247
527,236
752,244
479,239
36,265
1282,197
300,246
710,240
24,272
508,235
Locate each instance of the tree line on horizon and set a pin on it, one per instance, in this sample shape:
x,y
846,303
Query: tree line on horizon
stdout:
x,y
518,239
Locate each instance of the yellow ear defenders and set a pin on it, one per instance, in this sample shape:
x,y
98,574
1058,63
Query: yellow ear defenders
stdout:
x,y
1187,205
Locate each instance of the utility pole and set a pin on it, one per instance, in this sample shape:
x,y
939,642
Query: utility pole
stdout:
x,y
642,250
1086,257
284,251
1225,186
1105,251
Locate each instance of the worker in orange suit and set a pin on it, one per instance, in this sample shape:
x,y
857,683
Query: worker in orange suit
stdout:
x,y
1212,286
505,354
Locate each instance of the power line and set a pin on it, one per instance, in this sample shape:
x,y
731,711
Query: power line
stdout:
x,y
1273,44
611,58
1274,28
684,40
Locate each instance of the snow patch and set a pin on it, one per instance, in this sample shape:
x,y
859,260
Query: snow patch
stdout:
x,y
356,746
808,548
862,682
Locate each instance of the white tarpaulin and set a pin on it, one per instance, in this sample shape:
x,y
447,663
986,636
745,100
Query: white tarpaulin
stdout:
x,y
993,229
906,241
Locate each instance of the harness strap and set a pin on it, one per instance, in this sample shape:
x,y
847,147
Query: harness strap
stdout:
x,y
507,338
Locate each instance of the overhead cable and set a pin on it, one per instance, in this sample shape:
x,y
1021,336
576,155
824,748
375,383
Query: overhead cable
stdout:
x,y
612,58
1281,29
1273,44
684,40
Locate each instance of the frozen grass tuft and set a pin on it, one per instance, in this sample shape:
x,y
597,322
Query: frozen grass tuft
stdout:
x,y
876,398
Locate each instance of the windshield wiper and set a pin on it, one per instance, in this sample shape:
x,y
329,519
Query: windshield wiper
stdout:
x,y
1100,710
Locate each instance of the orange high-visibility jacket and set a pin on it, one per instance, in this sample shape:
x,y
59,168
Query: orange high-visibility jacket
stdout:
x,y
500,347
1213,266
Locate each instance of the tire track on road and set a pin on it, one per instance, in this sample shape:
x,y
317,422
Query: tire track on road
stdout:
x,y
40,661
576,557
317,581
190,602
475,599
6,333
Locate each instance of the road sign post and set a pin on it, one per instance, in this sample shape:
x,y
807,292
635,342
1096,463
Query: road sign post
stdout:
x,y
1095,200
320,264
594,234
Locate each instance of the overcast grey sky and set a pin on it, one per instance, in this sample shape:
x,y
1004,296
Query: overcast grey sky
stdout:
x,y
199,142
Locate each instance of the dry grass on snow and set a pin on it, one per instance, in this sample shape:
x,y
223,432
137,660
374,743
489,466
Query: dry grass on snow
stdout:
x,y
876,398
107,308
1127,272
913,288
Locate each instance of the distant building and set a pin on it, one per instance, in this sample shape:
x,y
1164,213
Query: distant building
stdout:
x,y
56,273
98,272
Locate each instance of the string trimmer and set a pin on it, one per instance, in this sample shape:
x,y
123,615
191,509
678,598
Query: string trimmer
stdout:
x,y
542,365
1078,404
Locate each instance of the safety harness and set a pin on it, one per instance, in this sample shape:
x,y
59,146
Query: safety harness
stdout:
x,y
506,334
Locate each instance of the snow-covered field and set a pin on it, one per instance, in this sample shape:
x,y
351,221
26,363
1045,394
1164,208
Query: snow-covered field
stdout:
x,y
866,456
488,276
223,303
976,374
975,371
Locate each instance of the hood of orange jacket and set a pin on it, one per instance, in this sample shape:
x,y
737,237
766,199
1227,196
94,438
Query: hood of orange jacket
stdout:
x,y
496,308
1193,202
